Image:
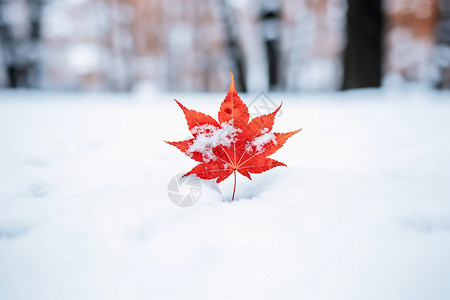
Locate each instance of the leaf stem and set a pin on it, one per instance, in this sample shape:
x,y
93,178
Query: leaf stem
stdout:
x,y
234,189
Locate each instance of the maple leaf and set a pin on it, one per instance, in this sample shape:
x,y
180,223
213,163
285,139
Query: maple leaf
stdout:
x,y
231,144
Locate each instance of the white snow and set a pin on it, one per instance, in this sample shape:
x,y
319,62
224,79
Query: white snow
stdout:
x,y
361,211
208,137
260,142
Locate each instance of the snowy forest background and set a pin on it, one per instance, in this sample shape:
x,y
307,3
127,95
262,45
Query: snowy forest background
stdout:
x,y
361,212
191,45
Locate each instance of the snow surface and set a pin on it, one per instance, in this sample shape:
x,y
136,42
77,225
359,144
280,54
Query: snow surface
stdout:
x,y
361,212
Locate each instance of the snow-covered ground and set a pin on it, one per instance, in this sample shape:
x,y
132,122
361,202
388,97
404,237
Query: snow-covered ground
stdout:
x,y
361,212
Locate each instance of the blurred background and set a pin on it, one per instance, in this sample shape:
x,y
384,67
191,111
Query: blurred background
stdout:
x,y
191,45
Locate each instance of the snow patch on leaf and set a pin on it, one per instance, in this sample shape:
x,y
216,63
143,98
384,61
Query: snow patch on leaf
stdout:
x,y
209,137
260,142
203,129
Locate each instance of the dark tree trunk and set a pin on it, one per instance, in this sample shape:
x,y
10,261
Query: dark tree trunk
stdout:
x,y
363,57
270,21
236,53
21,53
444,40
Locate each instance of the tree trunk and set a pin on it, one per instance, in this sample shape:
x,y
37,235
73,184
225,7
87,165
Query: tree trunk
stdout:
x,y
444,40
271,30
236,53
22,69
363,57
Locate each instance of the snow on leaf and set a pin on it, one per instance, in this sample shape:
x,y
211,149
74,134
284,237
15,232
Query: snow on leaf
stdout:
x,y
260,142
207,139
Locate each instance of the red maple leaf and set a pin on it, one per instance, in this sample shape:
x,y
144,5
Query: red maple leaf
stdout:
x,y
232,143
